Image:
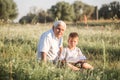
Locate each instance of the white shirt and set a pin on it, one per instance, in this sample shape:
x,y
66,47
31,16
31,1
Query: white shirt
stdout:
x,y
49,44
72,55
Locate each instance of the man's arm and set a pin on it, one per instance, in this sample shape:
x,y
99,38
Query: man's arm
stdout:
x,y
44,57
60,52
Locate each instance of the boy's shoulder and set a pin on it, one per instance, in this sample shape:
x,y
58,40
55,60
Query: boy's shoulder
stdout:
x,y
77,49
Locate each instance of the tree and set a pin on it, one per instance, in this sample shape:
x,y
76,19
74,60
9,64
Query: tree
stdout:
x,y
8,10
29,18
78,5
35,16
111,10
44,17
114,7
88,10
62,10
82,9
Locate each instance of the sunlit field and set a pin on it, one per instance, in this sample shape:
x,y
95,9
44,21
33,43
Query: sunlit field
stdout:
x,y
18,44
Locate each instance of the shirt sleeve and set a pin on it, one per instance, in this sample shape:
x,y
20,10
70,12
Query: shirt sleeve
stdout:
x,y
63,54
44,44
80,52
61,42
81,56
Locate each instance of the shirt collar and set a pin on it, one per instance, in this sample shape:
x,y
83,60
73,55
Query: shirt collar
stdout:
x,y
53,34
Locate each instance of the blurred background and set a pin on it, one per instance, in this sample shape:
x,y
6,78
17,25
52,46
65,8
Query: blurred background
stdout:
x,y
44,11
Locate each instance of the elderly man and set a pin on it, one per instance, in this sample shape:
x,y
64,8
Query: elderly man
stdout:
x,y
50,42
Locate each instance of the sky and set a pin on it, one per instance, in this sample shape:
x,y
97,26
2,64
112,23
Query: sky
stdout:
x,y
24,6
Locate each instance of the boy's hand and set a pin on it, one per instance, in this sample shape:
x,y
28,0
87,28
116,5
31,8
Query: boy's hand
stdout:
x,y
81,61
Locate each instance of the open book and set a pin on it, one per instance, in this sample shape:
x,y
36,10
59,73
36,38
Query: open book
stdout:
x,y
74,60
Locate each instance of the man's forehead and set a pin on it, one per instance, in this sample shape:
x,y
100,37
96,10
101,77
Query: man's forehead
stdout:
x,y
59,23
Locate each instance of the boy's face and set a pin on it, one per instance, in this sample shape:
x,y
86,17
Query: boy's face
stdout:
x,y
72,42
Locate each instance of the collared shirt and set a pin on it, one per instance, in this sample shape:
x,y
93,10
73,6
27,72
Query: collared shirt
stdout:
x,y
49,44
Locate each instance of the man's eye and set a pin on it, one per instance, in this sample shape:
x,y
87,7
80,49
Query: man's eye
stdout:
x,y
60,29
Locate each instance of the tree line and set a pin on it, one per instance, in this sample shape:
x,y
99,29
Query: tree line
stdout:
x,y
62,10
8,10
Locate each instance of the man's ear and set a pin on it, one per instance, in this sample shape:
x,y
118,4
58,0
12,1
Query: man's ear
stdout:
x,y
52,27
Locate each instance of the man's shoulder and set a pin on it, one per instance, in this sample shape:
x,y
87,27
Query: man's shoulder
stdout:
x,y
47,33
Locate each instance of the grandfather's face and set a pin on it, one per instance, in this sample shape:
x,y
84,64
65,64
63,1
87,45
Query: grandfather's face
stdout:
x,y
59,30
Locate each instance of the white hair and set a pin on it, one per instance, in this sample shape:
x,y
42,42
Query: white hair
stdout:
x,y
59,22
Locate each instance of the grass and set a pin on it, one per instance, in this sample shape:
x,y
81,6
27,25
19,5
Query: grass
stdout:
x,y
18,44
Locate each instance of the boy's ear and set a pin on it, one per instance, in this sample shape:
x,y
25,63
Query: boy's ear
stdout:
x,y
77,43
77,40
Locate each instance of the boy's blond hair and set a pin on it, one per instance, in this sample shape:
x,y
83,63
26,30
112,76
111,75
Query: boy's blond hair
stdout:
x,y
73,35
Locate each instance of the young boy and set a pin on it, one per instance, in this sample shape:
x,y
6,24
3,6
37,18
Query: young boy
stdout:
x,y
73,56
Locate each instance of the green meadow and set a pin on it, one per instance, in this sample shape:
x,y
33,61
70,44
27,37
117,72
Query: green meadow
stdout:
x,y
99,43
